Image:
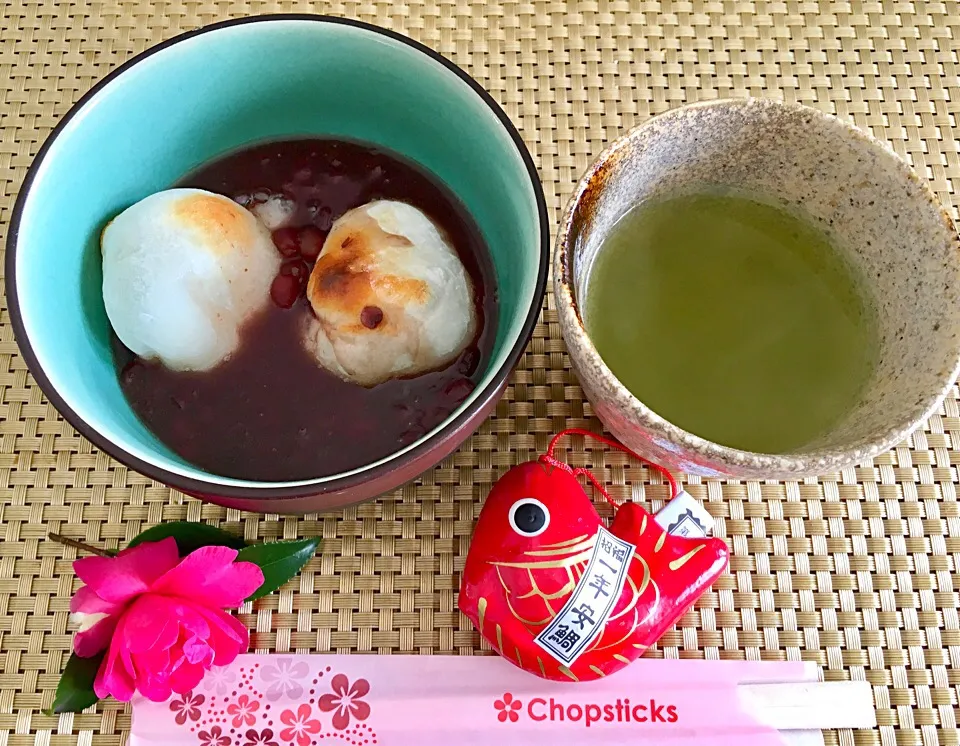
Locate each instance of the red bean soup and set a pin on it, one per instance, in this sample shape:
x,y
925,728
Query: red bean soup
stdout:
x,y
270,412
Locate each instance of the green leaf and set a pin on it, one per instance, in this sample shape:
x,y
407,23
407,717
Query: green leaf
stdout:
x,y
75,690
279,560
190,536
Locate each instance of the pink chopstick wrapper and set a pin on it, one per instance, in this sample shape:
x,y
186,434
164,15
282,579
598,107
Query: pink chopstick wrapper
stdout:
x,y
406,700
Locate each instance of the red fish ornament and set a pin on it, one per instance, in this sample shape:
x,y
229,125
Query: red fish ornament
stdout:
x,y
559,595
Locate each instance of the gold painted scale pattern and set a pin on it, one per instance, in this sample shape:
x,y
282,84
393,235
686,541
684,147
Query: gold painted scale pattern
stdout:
x,y
857,571
573,557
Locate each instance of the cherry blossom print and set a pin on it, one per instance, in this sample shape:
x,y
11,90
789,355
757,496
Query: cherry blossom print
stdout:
x,y
283,678
214,737
187,707
300,726
259,738
346,701
219,679
242,711
508,708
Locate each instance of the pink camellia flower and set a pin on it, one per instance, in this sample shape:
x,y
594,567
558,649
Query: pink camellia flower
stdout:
x,y
160,617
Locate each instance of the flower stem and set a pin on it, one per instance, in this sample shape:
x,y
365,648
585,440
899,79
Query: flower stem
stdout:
x,y
66,541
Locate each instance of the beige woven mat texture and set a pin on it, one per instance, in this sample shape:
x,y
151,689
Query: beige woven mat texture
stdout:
x,y
857,571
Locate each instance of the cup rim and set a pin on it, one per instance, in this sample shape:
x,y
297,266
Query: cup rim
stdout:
x,y
318,485
818,461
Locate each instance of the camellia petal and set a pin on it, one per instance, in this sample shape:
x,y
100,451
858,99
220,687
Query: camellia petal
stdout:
x,y
228,636
86,601
88,642
186,677
210,573
198,652
157,661
155,688
112,678
150,622
191,616
130,573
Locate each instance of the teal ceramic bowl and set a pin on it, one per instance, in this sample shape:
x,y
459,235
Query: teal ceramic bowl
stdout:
x,y
214,90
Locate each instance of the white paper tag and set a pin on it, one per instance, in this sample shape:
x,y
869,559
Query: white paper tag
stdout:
x,y
685,516
585,613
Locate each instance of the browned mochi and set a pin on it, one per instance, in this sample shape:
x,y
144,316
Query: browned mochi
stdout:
x,y
183,271
345,279
390,296
222,225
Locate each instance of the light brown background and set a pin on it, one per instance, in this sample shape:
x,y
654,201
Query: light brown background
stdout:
x,y
857,571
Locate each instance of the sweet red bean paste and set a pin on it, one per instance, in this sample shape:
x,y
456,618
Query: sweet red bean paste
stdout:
x,y
270,412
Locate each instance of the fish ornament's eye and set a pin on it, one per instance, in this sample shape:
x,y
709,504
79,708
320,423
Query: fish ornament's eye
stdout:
x,y
529,517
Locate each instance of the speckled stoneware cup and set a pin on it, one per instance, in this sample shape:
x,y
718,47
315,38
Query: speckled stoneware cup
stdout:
x,y
887,221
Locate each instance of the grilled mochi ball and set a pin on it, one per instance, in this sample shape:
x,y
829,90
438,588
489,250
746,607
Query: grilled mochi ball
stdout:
x,y
390,295
183,271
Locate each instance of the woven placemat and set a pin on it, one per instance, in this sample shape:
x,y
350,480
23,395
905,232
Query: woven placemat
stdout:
x,y
857,571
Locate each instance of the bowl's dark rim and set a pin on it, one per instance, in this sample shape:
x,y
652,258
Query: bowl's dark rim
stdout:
x,y
178,481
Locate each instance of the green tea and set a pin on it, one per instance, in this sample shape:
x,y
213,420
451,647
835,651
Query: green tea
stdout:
x,y
731,318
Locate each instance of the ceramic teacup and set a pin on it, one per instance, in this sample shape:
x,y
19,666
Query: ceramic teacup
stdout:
x,y
211,91
884,218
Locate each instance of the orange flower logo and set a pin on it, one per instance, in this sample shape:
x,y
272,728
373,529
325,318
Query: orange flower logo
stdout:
x,y
508,708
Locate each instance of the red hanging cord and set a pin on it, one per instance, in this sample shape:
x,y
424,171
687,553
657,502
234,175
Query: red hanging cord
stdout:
x,y
549,458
